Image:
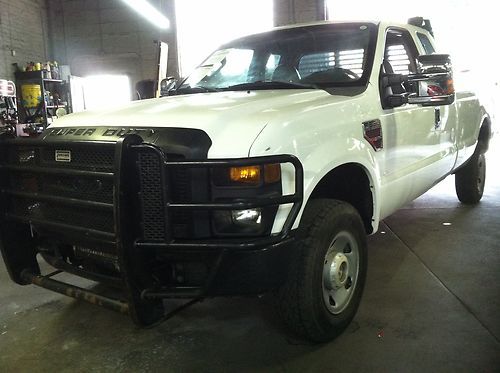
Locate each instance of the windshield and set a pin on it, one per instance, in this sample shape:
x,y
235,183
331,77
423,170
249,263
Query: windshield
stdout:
x,y
319,56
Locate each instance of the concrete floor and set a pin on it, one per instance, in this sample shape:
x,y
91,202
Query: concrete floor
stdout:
x,y
432,303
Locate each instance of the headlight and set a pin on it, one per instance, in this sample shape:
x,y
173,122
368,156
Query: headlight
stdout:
x,y
253,183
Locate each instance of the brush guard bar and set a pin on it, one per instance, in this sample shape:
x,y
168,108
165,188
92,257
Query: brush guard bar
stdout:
x,y
142,301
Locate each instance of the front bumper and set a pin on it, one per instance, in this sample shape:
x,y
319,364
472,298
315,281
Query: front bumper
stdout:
x,y
231,266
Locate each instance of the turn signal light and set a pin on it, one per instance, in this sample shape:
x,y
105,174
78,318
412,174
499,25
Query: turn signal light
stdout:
x,y
272,173
253,174
248,174
451,88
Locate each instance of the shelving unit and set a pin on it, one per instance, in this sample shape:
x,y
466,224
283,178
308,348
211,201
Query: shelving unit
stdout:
x,y
8,107
45,112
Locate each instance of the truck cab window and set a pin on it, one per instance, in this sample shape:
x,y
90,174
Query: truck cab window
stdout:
x,y
400,53
272,62
351,59
426,43
311,63
335,56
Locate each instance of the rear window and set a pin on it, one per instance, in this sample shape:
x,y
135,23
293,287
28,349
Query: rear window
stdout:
x,y
348,59
311,63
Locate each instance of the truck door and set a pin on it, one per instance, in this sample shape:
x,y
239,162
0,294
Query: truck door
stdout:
x,y
418,147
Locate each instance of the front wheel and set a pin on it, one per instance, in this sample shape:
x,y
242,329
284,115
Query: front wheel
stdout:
x,y
327,275
469,180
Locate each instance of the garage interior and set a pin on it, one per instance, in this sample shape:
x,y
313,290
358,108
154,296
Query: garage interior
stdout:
x,y
432,296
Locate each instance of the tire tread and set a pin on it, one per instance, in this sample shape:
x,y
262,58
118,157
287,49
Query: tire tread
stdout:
x,y
292,296
466,179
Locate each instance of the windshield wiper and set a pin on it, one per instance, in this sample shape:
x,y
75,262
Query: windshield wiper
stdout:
x,y
257,85
196,89
270,84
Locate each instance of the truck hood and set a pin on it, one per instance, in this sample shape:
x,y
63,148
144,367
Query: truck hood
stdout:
x,y
231,119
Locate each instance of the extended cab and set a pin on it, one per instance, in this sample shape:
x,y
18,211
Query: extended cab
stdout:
x,y
264,170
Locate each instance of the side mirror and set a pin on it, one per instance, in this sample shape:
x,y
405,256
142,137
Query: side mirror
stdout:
x,y
433,84
167,85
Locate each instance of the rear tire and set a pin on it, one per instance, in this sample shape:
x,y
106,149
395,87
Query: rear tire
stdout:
x,y
326,277
469,180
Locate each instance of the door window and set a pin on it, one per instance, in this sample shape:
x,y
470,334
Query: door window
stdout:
x,y
400,52
399,58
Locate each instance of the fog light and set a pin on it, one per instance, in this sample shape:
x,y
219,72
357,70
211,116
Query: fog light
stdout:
x,y
250,221
247,217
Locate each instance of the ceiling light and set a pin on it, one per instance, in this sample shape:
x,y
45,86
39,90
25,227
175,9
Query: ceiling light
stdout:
x,y
149,12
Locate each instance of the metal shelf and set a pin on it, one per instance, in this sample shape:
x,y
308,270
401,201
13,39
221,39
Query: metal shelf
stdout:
x,y
63,105
46,112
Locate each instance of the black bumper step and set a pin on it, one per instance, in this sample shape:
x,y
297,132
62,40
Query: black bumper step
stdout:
x,y
75,292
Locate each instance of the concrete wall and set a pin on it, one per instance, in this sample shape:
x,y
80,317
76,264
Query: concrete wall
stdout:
x,y
106,36
298,11
103,36
23,34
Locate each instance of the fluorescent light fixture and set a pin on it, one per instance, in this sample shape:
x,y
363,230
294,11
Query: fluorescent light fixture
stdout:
x,y
221,21
149,12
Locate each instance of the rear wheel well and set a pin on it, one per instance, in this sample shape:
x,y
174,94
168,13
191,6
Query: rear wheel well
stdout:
x,y
348,183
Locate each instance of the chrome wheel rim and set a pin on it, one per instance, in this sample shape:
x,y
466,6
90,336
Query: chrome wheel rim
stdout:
x,y
340,272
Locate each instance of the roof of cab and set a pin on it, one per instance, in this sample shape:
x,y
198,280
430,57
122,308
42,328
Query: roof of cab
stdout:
x,y
382,24
318,23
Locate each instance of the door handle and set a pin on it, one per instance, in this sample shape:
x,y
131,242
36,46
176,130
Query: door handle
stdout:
x,y
437,118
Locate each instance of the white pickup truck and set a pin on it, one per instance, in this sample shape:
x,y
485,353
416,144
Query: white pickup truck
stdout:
x,y
264,170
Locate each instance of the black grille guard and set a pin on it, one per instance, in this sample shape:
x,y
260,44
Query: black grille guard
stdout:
x,y
295,199
19,247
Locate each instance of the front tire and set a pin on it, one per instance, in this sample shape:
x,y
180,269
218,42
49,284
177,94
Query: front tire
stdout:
x,y
327,275
469,180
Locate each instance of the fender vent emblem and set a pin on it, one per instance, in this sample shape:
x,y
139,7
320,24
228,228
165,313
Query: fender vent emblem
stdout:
x,y
63,155
372,132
